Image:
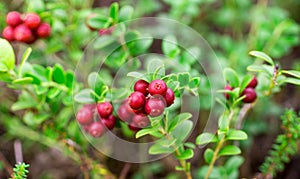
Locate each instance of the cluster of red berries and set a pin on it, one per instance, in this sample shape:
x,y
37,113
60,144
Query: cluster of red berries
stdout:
x,y
147,99
248,92
101,32
27,29
96,125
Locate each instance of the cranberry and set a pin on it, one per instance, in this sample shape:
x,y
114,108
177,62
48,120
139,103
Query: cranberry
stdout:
x,y
169,97
250,95
44,30
32,20
23,34
133,128
13,18
140,121
227,87
157,87
109,122
104,109
155,106
136,100
84,116
253,83
125,112
8,33
96,129
141,86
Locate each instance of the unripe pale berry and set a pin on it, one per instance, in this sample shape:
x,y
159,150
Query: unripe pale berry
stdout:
x,y
23,34
84,116
44,30
13,18
104,109
169,97
155,106
157,87
96,129
140,121
8,33
109,122
227,87
141,86
136,100
250,95
253,83
32,20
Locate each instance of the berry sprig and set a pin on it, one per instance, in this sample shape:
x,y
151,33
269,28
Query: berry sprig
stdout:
x,y
96,125
27,29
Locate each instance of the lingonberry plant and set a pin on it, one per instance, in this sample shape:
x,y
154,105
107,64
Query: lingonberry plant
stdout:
x,y
149,98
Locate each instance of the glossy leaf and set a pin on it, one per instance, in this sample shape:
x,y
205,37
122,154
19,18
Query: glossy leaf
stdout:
x,y
293,73
246,80
157,148
231,77
169,46
114,11
236,135
208,155
206,138
293,81
173,123
229,150
182,130
58,74
126,13
187,154
7,58
23,81
84,96
262,56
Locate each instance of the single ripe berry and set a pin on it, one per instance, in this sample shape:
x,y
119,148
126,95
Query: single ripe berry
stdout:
x,y
227,87
84,116
32,20
250,95
133,128
8,33
169,97
253,83
141,86
44,30
155,106
96,129
109,122
140,121
13,18
136,100
23,34
157,87
125,113
104,109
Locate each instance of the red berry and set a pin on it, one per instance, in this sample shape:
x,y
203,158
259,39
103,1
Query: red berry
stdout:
x,y
169,97
141,86
44,30
96,129
104,109
8,33
140,121
125,112
253,83
32,20
136,100
13,18
84,116
23,34
133,128
107,31
250,95
109,122
155,106
227,87
157,87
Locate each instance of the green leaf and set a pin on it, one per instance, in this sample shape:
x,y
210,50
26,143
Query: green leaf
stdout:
x,y
100,22
20,105
103,41
126,13
70,79
53,92
184,79
233,163
187,154
194,82
223,122
7,55
231,77
208,155
96,83
136,74
145,131
58,74
117,58
156,68
262,56
236,135
182,130
206,138
169,46
293,81
173,123
255,68
229,150
84,96
23,81
114,11
246,80
190,145
24,59
179,168
157,148
293,73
